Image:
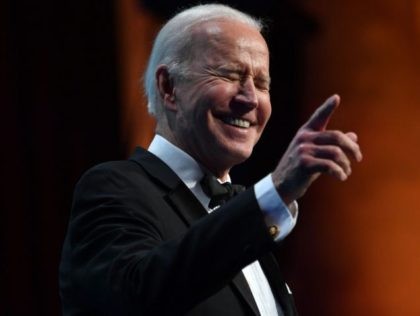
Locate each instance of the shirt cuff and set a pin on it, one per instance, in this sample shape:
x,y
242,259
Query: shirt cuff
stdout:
x,y
279,217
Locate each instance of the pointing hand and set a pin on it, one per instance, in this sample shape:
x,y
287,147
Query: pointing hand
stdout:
x,y
315,150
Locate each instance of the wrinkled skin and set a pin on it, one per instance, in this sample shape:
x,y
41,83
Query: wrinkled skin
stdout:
x,y
219,112
313,151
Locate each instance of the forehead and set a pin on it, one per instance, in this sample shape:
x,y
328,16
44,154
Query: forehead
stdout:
x,y
223,40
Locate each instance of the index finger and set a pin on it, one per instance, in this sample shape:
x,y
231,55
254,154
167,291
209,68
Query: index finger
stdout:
x,y
320,118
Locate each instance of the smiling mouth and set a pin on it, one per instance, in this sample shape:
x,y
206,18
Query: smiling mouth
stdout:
x,y
237,122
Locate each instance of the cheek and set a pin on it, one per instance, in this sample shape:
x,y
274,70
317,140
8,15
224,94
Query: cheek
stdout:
x,y
264,110
221,93
197,120
185,121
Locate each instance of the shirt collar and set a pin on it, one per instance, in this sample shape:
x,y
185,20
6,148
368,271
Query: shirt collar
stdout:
x,y
186,168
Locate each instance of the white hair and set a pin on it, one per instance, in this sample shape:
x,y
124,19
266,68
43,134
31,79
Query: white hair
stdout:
x,y
174,38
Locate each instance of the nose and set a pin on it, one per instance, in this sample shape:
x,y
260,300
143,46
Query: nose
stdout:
x,y
247,94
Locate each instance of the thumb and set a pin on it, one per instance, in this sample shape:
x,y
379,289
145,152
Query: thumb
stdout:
x,y
320,118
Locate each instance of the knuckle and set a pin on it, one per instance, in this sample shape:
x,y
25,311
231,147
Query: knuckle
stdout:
x,y
325,168
302,149
302,136
336,153
330,165
305,161
337,135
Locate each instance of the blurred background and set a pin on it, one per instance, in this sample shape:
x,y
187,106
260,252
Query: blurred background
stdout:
x,y
71,98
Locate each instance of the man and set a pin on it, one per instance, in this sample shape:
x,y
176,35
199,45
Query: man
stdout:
x,y
140,239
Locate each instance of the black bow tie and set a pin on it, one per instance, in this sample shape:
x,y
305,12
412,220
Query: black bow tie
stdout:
x,y
218,192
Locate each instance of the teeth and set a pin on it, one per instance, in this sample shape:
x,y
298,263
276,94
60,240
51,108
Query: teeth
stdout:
x,y
237,122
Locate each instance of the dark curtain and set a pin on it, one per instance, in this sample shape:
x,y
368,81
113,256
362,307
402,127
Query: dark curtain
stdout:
x,y
59,116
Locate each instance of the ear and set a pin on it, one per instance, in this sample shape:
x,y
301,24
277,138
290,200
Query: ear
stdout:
x,y
165,86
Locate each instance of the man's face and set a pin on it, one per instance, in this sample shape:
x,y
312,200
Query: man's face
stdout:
x,y
223,107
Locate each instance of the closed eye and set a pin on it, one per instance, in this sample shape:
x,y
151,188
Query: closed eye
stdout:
x,y
262,84
230,74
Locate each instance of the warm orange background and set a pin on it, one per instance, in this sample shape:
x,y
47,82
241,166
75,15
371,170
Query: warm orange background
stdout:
x,y
365,234
137,29
355,250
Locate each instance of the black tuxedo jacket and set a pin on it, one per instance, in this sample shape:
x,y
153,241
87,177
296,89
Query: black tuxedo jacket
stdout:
x,y
140,243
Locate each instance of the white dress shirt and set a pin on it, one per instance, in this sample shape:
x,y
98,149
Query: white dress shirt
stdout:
x,y
275,212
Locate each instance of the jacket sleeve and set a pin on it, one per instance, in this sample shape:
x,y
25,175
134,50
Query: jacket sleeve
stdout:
x,y
127,251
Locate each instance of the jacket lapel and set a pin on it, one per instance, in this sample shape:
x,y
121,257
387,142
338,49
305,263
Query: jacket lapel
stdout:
x,y
240,284
278,285
178,195
187,206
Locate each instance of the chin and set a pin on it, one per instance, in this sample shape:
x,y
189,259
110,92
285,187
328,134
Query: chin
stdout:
x,y
237,155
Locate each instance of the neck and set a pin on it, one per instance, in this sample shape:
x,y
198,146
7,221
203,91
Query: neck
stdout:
x,y
222,173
